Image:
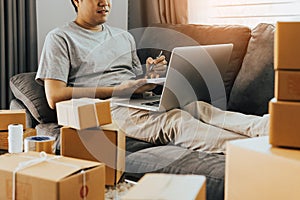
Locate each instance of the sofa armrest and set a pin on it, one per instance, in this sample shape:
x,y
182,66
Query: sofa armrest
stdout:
x,y
16,104
32,95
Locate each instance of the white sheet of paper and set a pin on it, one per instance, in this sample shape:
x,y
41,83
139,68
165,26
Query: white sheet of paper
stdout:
x,y
158,81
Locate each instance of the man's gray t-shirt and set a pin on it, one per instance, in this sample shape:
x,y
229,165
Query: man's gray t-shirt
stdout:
x,y
83,58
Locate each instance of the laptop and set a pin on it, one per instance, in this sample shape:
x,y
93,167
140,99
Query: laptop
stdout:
x,y
194,73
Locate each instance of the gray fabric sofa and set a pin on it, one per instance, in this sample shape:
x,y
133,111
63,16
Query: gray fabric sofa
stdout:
x,y
248,82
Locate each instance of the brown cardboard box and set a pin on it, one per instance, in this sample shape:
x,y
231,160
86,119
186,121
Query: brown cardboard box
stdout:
x,y
4,137
284,123
83,113
287,45
287,84
8,117
168,186
256,170
105,144
55,179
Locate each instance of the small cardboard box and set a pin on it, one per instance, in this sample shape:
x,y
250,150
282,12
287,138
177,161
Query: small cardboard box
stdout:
x,y
168,186
4,137
55,178
8,117
83,113
105,144
256,170
287,45
287,84
284,123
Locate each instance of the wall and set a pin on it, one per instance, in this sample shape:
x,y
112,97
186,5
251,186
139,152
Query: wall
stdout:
x,y
54,13
119,14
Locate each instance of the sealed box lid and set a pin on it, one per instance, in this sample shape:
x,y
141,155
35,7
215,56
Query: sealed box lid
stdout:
x,y
34,176
83,113
54,169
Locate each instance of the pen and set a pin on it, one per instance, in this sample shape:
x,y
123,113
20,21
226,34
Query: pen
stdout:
x,y
152,65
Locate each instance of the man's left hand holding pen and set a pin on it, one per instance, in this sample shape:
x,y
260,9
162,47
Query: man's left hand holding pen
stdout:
x,y
157,67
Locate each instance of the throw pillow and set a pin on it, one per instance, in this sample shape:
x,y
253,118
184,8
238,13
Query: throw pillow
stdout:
x,y
26,89
254,85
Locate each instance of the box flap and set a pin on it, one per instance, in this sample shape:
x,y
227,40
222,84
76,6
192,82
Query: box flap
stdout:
x,y
12,111
110,127
166,186
262,145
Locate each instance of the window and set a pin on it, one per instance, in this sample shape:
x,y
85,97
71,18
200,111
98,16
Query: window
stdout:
x,y
246,12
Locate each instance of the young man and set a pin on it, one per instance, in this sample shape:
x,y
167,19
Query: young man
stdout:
x,y
88,58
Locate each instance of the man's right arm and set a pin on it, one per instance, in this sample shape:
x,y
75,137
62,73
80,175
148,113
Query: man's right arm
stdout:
x,y
57,90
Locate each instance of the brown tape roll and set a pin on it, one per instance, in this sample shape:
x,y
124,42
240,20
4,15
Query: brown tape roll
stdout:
x,y
39,143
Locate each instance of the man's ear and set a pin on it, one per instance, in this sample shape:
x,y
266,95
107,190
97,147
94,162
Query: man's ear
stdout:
x,y
76,2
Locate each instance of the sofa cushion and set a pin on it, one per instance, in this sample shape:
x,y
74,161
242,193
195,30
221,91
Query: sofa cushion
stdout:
x,y
32,95
254,85
176,160
168,36
133,145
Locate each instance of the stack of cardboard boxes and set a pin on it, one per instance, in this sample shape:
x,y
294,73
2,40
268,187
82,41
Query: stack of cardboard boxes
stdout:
x,y
284,109
89,134
36,176
268,167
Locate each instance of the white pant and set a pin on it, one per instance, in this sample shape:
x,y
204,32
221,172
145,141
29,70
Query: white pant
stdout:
x,y
198,126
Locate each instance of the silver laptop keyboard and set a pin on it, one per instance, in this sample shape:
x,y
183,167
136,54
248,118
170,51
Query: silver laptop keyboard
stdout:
x,y
153,103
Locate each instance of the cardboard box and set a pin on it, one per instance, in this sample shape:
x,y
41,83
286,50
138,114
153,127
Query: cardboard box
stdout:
x,y
287,45
83,113
54,179
105,144
287,85
8,117
256,170
284,123
4,137
168,186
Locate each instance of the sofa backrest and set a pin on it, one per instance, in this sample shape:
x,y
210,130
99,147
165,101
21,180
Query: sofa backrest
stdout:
x,y
168,36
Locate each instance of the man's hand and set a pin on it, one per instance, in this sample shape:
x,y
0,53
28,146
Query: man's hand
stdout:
x,y
156,68
127,88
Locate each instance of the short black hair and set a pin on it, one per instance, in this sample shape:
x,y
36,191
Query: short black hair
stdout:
x,y
74,6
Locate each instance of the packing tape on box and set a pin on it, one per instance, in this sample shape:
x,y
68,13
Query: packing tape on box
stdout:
x,y
39,143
